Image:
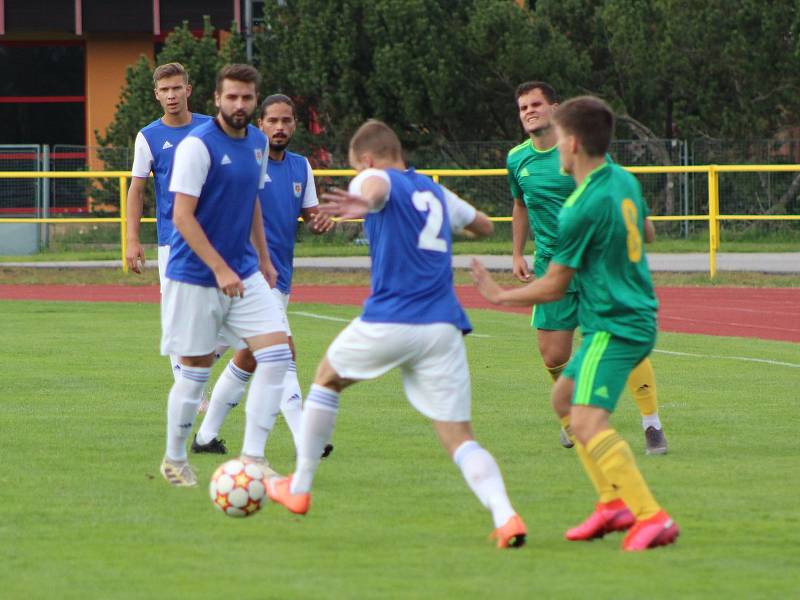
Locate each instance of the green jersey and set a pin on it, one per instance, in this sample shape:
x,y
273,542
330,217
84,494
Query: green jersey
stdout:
x,y
601,236
535,176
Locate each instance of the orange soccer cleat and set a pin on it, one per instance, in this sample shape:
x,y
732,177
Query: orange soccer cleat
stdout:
x,y
510,535
658,530
607,517
278,490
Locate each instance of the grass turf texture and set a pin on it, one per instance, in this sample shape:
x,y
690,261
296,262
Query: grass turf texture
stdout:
x,y
85,514
304,276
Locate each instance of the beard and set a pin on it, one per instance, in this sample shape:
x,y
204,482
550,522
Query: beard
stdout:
x,y
238,119
279,146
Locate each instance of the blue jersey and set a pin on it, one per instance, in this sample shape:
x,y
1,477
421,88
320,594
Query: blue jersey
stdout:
x,y
225,174
410,246
289,189
154,151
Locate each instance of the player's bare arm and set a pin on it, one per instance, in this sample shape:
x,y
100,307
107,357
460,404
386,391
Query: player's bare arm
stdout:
x,y
481,226
342,204
258,236
519,235
185,221
649,231
549,288
134,254
317,222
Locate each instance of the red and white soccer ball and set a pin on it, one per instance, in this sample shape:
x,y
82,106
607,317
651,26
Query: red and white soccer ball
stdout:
x,y
238,489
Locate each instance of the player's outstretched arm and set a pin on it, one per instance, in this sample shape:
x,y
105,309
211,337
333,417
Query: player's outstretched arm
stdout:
x,y
520,227
465,218
186,223
134,253
549,288
481,225
342,204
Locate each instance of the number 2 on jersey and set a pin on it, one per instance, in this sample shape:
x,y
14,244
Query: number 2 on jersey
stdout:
x,y
429,236
631,216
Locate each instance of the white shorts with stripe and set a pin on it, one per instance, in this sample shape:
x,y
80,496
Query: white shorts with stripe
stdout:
x,y
163,259
432,359
283,300
194,318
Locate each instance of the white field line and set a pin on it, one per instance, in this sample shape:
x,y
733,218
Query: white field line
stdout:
x,y
669,352
340,320
315,316
740,358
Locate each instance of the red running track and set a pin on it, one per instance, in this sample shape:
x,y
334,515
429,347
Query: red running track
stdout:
x,y
766,313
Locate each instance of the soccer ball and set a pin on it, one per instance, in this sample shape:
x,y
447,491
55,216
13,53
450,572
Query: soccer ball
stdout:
x,y
238,489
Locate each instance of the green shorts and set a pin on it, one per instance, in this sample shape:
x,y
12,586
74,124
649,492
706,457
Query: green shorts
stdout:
x,y
601,368
561,315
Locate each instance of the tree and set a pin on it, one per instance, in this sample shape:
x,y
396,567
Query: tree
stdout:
x,y
138,107
202,59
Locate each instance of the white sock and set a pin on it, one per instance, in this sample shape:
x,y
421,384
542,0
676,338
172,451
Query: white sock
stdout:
x,y
175,366
225,396
292,403
184,398
264,397
651,421
319,417
483,477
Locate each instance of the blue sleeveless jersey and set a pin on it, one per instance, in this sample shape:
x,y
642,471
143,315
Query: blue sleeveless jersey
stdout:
x,y
163,140
281,205
225,206
410,246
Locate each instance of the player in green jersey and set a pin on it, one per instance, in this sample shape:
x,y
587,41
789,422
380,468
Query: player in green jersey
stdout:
x,y
602,227
539,188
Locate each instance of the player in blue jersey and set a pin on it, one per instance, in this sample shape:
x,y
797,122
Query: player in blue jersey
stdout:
x,y
289,194
154,150
412,320
219,271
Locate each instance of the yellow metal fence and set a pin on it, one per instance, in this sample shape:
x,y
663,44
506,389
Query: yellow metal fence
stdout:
x,y
713,217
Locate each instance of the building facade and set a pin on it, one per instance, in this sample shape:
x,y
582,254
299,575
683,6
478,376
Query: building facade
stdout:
x,y
62,62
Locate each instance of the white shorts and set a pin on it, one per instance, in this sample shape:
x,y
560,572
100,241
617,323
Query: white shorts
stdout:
x,y
283,300
432,359
163,259
194,318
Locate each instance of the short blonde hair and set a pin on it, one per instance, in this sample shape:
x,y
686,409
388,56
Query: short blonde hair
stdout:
x,y
169,70
377,138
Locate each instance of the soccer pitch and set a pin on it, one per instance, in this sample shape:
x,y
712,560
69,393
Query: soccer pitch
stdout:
x,y
84,512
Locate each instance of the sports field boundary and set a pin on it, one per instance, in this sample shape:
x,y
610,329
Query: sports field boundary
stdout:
x,y
763,313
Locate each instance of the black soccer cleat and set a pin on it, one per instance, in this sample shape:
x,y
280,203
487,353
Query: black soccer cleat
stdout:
x,y
327,451
655,442
215,446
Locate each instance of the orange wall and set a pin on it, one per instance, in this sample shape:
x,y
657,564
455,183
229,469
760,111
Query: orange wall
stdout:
x,y
107,58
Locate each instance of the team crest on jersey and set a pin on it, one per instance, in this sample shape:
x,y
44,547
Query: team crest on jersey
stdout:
x,y
259,155
298,189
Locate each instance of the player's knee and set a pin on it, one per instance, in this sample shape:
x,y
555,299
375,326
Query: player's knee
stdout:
x,y
554,357
245,360
561,397
586,424
327,377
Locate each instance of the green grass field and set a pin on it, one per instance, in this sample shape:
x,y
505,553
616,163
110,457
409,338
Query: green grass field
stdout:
x,y
85,514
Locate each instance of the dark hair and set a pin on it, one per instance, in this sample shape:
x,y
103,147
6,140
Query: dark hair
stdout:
x,y
169,70
378,138
276,99
590,120
238,72
547,90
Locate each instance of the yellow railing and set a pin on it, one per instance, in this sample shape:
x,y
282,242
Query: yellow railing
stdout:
x,y
712,217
